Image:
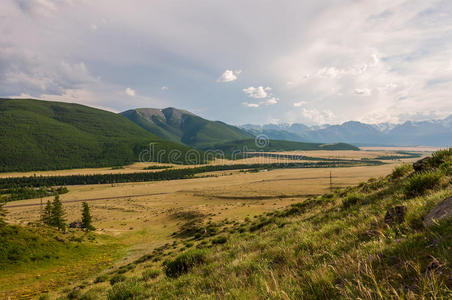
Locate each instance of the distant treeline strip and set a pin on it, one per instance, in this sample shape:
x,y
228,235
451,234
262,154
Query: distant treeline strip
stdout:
x,y
170,174
297,157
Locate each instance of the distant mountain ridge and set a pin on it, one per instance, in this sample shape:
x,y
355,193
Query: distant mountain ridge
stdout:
x,y
184,127
436,133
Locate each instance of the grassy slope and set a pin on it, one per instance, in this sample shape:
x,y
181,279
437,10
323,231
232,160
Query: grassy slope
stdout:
x,y
184,127
275,146
38,259
328,247
40,135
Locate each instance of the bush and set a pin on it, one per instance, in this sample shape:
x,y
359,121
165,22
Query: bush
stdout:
x,y
130,289
95,293
117,278
440,157
219,240
420,183
446,168
184,262
101,278
352,199
150,274
401,171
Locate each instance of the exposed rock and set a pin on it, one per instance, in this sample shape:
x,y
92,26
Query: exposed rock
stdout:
x,y
395,215
441,211
422,165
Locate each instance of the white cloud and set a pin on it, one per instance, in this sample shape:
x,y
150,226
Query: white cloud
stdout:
x,y
399,50
315,116
257,92
229,76
253,105
22,96
130,92
362,92
272,100
164,88
299,104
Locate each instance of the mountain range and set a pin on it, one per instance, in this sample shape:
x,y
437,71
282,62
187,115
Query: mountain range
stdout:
x,y
181,126
423,133
47,135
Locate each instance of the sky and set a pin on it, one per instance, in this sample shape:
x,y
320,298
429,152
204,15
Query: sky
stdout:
x,y
247,61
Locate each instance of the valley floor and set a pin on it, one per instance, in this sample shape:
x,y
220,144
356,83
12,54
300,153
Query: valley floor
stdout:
x,y
139,217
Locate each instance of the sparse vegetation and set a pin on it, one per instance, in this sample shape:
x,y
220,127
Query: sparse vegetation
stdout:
x,y
184,262
420,183
86,218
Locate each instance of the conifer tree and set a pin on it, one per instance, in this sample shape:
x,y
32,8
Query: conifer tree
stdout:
x,y
86,217
2,212
57,216
46,216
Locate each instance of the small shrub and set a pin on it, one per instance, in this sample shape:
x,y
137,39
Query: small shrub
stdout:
x,y
446,168
184,262
130,289
219,240
74,294
352,199
401,171
420,183
101,278
93,294
150,274
117,278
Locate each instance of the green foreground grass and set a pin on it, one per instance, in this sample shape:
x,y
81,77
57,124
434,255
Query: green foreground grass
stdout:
x,y
36,259
336,246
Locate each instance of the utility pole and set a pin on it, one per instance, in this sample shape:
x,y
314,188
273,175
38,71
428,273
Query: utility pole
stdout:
x,y
331,181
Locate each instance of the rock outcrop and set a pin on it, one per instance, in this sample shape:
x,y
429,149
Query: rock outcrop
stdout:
x,y
441,211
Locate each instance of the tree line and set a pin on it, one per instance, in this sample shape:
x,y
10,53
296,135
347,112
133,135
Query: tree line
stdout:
x,y
170,174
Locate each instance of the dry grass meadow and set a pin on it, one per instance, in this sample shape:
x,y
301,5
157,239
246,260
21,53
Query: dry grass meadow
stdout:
x,y
141,216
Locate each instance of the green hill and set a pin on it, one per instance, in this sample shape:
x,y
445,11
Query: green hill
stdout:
x,y
184,127
264,145
42,135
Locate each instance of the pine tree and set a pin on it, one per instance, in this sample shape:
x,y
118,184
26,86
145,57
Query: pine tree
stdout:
x,y
86,217
46,216
57,215
2,212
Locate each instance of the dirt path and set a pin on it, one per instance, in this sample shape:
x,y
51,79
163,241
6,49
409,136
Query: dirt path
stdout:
x,y
88,200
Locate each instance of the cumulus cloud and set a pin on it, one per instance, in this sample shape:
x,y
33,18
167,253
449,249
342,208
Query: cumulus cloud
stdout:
x,y
299,104
130,92
362,92
229,76
257,92
252,105
272,100
164,88
391,59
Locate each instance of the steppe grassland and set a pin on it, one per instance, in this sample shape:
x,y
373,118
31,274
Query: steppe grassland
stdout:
x,y
140,224
140,166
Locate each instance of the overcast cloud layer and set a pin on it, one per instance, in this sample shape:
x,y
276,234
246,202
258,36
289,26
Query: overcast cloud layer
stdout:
x,y
241,62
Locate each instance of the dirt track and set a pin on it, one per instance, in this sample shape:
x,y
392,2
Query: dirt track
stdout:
x,y
87,200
